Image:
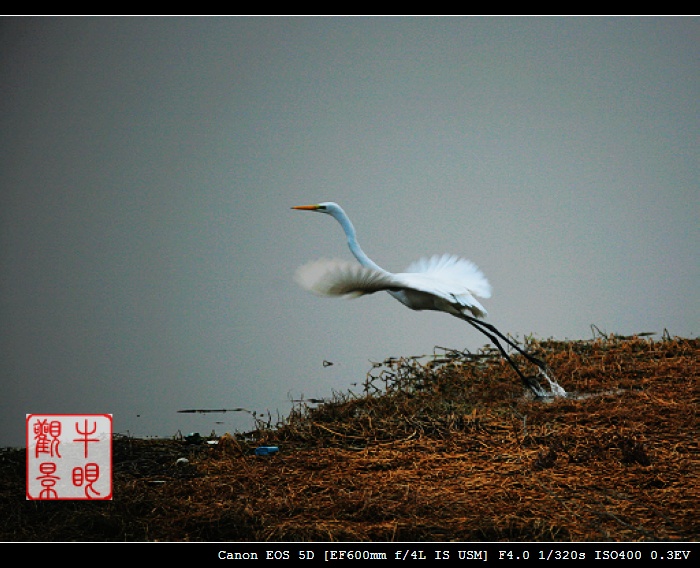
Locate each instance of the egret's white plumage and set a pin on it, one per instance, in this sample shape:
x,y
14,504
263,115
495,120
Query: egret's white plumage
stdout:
x,y
443,282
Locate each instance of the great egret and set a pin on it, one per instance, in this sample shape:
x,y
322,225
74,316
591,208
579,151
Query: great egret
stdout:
x,y
444,283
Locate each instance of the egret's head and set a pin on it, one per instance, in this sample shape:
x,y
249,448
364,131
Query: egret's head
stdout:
x,y
327,207
335,211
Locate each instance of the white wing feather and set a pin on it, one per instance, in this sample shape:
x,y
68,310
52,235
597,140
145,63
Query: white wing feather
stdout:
x,y
460,274
342,278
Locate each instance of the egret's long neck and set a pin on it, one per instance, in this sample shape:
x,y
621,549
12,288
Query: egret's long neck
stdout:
x,y
355,247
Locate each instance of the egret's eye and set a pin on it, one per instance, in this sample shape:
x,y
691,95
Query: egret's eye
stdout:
x,y
322,207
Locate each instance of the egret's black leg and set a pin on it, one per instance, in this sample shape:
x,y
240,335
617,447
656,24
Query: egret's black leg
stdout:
x,y
480,325
529,382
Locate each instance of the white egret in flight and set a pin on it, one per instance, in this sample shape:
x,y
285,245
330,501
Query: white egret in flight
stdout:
x,y
444,283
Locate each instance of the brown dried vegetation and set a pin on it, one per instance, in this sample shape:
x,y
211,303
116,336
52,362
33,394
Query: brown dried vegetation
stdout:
x,y
447,450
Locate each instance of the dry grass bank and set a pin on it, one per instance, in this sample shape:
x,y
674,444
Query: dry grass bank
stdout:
x,y
437,451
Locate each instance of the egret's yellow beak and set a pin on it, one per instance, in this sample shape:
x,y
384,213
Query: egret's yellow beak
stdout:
x,y
306,207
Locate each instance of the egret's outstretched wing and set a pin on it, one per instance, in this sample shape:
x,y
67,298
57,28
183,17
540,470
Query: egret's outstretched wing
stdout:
x,y
429,290
343,278
454,273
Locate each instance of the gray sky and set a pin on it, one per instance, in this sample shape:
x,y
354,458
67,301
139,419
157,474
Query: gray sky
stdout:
x,y
148,167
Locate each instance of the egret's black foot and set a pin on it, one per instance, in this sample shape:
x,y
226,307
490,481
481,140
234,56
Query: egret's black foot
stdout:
x,y
534,385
